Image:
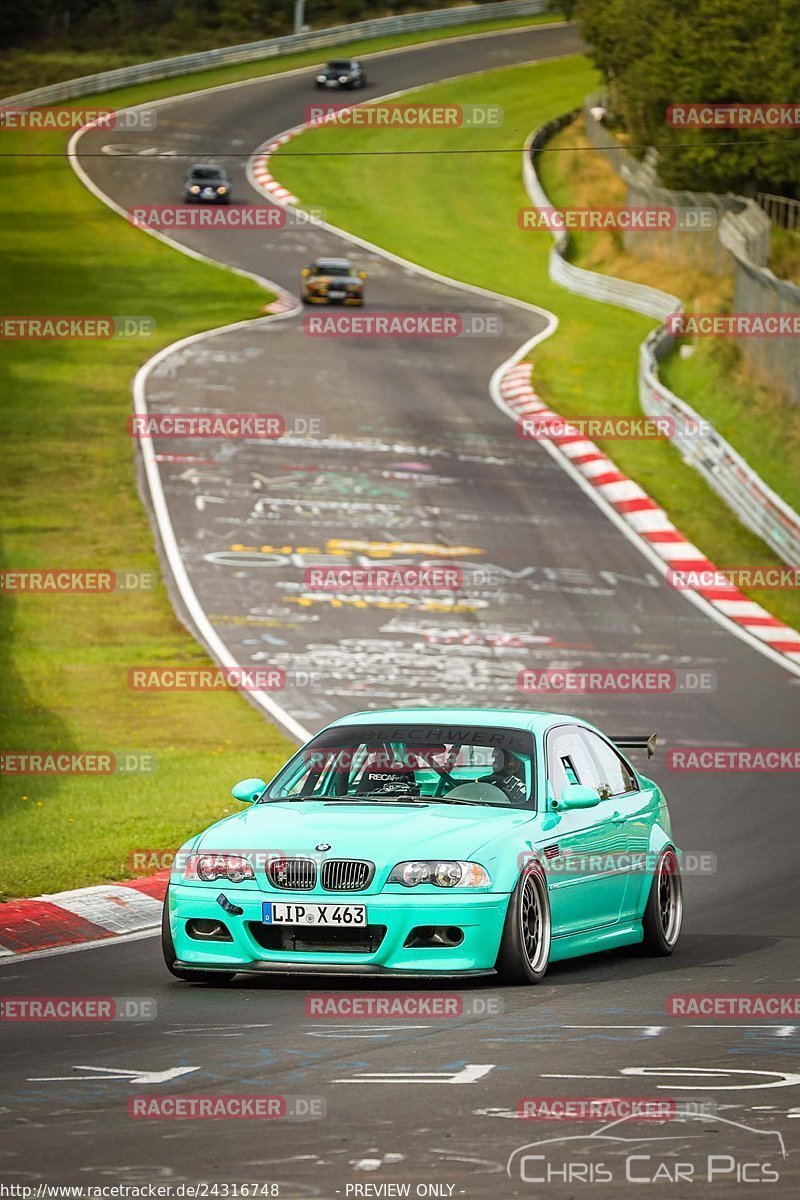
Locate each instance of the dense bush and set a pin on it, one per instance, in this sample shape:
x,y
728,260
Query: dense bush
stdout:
x,y
152,26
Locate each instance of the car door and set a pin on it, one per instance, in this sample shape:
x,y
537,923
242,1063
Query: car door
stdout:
x,y
585,890
633,812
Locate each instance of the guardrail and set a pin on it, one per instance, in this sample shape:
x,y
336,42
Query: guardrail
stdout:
x,y
781,210
185,64
739,245
700,445
646,300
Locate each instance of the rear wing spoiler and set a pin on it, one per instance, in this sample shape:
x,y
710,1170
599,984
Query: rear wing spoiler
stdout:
x,y
634,742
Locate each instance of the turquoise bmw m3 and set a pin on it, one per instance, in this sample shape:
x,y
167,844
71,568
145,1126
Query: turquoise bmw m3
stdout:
x,y
431,842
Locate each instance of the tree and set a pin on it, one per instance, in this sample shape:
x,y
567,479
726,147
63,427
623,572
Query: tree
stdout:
x,y
663,52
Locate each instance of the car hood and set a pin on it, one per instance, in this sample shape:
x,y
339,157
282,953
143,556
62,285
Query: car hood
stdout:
x,y
385,834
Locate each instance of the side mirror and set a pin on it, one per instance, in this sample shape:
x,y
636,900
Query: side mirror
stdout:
x,y
577,795
305,272
362,274
248,790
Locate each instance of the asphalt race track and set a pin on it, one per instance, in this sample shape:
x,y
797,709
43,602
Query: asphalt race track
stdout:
x,y
414,455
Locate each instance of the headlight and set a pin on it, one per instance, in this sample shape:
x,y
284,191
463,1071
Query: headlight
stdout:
x,y
209,867
195,188
444,873
320,79
342,79
221,191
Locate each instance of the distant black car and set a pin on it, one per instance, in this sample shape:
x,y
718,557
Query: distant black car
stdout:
x,y
342,73
207,184
332,281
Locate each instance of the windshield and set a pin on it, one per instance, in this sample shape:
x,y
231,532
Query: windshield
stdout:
x,y
326,268
404,764
207,173
339,64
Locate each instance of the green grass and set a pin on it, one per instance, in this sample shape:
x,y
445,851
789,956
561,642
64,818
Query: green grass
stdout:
x,y
457,214
25,69
784,253
69,499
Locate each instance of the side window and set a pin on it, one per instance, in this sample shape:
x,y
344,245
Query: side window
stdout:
x,y
568,760
616,777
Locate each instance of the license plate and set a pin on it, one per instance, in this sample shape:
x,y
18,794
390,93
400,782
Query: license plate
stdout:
x,y
336,295
331,83
273,913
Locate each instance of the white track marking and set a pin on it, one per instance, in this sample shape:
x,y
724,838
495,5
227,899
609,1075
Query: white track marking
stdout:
x,y
118,1074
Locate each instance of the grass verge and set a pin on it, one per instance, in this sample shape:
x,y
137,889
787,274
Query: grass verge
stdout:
x,y
69,499
457,214
714,379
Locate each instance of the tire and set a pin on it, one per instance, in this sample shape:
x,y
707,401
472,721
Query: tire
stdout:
x,y
525,945
168,948
663,914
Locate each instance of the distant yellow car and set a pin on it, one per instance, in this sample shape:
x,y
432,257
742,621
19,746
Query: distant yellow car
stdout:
x,y
332,281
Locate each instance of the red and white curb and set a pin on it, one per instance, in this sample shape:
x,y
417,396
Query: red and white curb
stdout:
x,y
645,517
284,302
85,915
263,177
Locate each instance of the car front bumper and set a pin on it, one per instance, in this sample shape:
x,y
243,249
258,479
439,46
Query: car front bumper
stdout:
x,y
317,298
480,917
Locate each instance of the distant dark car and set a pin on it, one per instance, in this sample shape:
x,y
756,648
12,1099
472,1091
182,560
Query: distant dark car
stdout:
x,y
332,281
342,73
207,184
